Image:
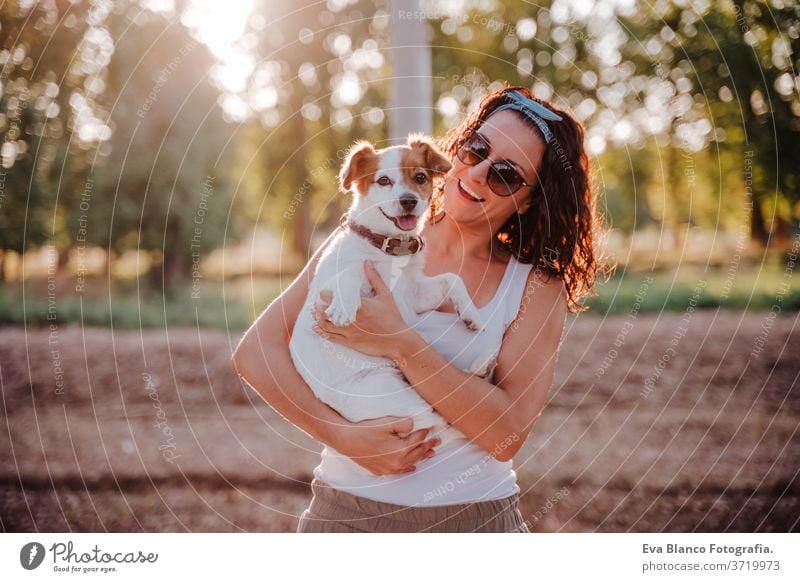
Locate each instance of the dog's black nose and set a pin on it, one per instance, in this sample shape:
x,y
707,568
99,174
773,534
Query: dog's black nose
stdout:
x,y
408,202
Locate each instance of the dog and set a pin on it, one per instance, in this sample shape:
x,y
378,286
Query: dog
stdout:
x,y
391,190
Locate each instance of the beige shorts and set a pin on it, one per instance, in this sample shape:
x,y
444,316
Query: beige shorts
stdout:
x,y
332,511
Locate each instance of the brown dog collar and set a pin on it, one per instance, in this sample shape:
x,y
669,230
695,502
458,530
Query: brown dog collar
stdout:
x,y
391,245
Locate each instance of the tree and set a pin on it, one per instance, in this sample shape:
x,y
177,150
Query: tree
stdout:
x,y
42,72
164,186
692,93
732,65
314,66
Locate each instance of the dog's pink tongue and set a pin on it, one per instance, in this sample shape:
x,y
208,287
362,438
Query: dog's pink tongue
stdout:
x,y
408,222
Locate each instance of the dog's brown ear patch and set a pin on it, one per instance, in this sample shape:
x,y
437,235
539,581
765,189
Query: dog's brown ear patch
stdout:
x,y
359,167
434,160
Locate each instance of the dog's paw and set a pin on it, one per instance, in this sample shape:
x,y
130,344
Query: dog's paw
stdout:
x,y
473,324
471,318
464,307
341,314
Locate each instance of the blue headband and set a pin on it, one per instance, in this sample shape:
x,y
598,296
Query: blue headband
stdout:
x,y
533,110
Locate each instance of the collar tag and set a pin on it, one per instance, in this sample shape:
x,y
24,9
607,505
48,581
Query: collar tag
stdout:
x,y
395,246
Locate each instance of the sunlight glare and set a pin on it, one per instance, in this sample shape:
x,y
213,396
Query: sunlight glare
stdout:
x,y
218,24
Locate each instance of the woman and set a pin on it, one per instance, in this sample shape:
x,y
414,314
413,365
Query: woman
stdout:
x,y
516,219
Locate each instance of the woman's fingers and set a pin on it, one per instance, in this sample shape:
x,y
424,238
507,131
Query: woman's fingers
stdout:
x,y
391,431
402,425
415,455
415,438
420,452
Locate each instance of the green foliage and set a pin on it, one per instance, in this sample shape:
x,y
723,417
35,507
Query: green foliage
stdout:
x,y
39,57
146,167
675,97
735,60
113,114
165,185
300,124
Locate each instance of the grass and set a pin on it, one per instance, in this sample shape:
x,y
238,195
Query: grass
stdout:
x,y
675,290
234,303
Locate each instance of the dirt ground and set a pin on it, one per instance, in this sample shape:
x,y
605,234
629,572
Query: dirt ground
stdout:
x,y
151,431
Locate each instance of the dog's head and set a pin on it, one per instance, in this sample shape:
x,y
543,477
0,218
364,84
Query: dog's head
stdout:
x,y
392,187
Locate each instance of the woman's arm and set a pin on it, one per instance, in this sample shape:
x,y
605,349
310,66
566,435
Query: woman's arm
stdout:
x,y
498,418
263,360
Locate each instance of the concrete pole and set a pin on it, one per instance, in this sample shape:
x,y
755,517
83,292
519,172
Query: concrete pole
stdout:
x,y
411,104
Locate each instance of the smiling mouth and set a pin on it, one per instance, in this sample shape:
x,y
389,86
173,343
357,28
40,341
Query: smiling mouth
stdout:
x,y
404,222
472,197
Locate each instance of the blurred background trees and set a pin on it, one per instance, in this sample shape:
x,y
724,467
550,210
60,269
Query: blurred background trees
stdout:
x,y
164,187
37,83
122,122
313,82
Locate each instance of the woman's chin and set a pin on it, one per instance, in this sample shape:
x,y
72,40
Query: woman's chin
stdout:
x,y
460,213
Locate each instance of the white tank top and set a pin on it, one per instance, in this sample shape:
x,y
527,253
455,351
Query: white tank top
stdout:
x,y
460,471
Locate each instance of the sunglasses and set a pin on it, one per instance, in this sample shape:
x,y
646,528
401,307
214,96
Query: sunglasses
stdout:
x,y
501,177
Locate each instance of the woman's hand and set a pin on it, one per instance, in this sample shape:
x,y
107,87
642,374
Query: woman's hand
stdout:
x,y
383,445
378,330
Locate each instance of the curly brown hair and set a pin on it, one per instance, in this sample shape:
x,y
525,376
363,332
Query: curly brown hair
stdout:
x,y
558,233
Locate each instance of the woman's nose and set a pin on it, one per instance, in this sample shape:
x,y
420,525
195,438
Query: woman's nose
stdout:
x,y
477,173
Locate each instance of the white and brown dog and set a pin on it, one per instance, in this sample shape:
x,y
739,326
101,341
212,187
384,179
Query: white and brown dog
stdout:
x,y
391,194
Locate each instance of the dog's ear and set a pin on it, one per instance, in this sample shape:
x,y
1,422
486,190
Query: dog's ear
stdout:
x,y
435,160
360,163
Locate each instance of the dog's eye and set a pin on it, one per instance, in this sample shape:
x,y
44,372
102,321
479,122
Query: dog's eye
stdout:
x,y
420,178
384,181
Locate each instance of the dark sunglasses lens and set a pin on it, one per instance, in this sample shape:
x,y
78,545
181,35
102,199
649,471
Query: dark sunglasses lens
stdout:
x,y
503,179
473,151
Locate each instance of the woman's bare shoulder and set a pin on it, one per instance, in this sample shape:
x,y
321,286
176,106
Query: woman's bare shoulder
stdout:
x,y
549,290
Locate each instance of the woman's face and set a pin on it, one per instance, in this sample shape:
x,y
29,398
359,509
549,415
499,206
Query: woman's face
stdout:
x,y
509,140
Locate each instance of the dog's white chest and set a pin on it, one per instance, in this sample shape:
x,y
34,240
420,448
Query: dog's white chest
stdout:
x,y
396,268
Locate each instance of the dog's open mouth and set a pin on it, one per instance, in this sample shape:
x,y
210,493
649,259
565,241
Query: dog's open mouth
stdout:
x,y
404,222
